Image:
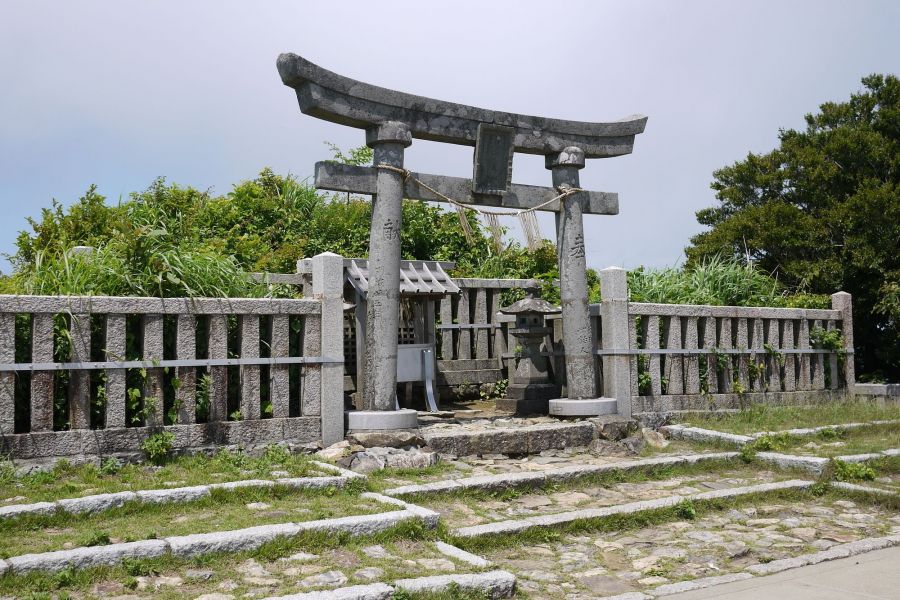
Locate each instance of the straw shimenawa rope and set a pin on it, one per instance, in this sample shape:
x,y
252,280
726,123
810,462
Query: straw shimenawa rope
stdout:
x,y
526,216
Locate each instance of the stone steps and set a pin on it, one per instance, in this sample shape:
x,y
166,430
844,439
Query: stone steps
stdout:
x,y
519,525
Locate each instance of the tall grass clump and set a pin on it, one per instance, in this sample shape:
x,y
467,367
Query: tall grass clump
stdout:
x,y
716,281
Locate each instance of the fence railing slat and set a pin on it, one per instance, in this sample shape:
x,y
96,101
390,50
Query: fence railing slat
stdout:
x,y
218,386
674,364
712,365
651,342
692,362
447,334
249,374
279,376
805,382
759,383
481,316
311,387
186,348
790,360
116,387
773,358
818,364
152,335
7,380
80,381
834,376
42,382
464,349
742,341
726,377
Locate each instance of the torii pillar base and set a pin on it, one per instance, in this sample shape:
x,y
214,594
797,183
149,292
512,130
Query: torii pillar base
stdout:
x,y
382,420
590,407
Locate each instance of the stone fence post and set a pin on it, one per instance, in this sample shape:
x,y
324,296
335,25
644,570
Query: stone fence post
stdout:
x,y
328,288
614,323
843,302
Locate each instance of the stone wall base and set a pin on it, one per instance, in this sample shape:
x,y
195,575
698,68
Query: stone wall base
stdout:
x,y
81,445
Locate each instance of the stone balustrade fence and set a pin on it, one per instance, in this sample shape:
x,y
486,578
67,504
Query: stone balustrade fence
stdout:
x,y
94,376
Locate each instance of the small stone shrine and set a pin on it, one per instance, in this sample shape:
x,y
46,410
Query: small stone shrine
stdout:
x,y
530,388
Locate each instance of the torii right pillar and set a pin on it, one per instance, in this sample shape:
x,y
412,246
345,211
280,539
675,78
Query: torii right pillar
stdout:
x,y
581,384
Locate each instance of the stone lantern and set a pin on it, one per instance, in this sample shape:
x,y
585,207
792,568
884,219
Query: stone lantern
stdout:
x,y
530,388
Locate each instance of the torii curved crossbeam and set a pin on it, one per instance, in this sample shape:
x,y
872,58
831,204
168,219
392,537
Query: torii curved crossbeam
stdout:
x,y
339,99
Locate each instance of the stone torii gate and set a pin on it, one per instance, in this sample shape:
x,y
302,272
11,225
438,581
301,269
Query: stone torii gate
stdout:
x,y
391,119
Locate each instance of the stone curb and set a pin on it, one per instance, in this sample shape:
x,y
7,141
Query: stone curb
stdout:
x,y
698,434
517,525
803,431
204,543
495,584
373,591
79,558
811,464
853,487
462,555
427,515
835,552
698,584
858,458
102,502
506,480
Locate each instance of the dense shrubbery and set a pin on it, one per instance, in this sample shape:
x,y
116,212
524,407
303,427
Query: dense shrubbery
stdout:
x,y
178,241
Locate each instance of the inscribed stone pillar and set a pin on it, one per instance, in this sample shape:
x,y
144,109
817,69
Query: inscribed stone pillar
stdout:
x,y
382,316
580,382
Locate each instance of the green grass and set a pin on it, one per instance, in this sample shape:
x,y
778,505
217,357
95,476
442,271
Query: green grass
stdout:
x,y
66,480
408,540
762,417
222,510
382,480
830,443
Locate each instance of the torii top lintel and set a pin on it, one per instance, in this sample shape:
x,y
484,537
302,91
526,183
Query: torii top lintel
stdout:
x,y
343,100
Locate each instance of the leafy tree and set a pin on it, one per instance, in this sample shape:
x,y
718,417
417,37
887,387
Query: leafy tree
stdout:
x,y
822,212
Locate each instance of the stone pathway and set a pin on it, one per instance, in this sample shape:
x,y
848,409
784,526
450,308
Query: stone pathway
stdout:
x,y
584,566
458,512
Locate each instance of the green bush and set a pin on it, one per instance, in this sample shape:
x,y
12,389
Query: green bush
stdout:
x,y
844,471
158,446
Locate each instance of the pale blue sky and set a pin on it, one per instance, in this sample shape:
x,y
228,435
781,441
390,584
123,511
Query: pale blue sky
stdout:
x,y
118,92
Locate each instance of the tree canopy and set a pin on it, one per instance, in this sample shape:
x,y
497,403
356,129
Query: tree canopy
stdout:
x,y
822,212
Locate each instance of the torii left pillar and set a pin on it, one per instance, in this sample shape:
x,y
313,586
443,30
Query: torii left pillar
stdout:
x,y
379,379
